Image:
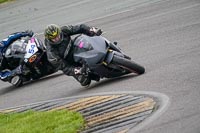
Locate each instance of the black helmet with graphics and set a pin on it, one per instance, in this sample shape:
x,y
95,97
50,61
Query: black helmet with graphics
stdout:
x,y
53,33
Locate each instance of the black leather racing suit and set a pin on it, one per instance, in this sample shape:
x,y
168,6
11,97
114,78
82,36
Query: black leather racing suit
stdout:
x,y
61,55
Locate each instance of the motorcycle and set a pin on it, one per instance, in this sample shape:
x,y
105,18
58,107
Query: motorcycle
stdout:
x,y
101,58
28,58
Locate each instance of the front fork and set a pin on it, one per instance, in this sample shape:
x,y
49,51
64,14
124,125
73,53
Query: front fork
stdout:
x,y
109,56
114,50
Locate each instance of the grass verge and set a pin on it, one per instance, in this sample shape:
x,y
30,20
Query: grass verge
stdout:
x,y
2,1
41,122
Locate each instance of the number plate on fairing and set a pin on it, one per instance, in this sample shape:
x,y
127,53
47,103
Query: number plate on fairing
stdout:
x,y
31,49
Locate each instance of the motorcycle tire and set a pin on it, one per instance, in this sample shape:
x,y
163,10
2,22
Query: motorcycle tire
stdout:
x,y
128,65
16,81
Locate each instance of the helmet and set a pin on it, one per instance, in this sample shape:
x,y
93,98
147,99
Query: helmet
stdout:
x,y
52,32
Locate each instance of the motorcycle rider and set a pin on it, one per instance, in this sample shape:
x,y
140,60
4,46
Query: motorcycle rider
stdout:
x,y
60,49
5,70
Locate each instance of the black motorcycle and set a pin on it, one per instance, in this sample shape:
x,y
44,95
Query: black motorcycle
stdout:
x,y
28,58
102,58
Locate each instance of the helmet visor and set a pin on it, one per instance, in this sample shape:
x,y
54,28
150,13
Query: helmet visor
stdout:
x,y
56,38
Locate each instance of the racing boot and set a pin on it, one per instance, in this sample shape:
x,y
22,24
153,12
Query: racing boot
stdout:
x,y
83,80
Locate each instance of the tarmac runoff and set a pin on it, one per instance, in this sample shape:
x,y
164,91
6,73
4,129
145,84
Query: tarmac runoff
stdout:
x,y
120,112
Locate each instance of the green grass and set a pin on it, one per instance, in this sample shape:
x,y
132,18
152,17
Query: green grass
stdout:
x,y
2,1
41,122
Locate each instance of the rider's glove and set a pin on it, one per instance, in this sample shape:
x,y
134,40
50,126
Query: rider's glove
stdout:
x,y
29,32
96,31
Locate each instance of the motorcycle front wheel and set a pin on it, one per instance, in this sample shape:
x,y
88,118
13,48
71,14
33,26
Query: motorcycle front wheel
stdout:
x,y
128,65
16,81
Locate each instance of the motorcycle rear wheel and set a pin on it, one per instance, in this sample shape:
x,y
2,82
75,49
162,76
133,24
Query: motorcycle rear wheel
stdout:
x,y
128,65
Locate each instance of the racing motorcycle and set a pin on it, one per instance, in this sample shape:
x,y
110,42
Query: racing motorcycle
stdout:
x,y
28,58
101,58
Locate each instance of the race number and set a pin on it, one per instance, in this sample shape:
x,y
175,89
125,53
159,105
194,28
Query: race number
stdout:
x,y
31,48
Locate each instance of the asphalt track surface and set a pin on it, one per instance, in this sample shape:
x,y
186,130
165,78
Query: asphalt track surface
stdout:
x,y
161,35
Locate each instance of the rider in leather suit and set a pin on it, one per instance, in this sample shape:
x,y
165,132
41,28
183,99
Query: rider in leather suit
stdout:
x,y
60,51
5,67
